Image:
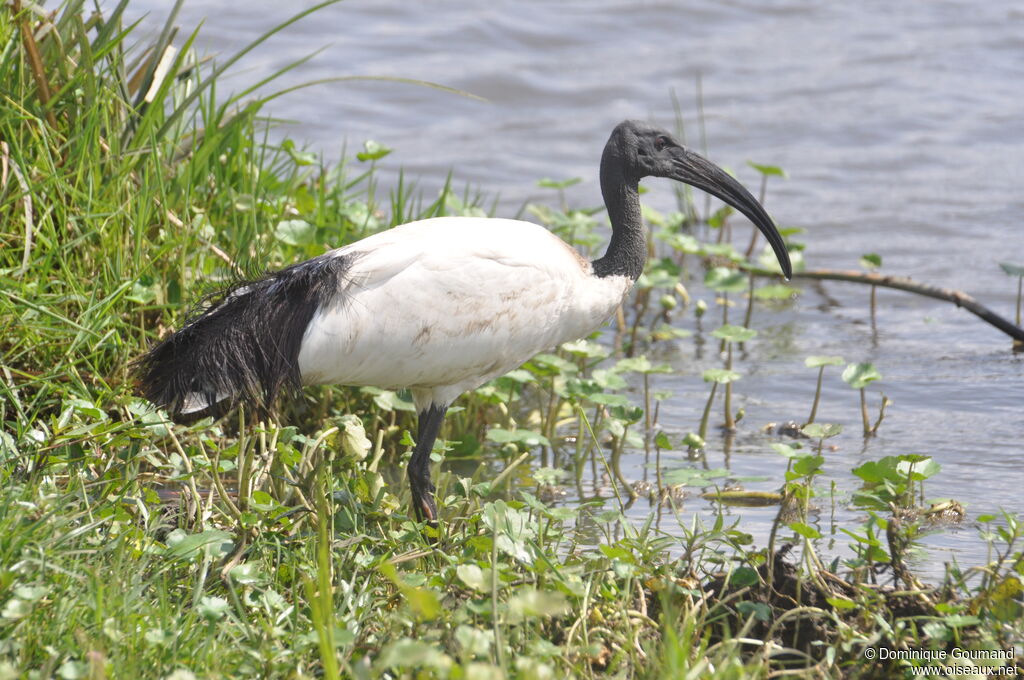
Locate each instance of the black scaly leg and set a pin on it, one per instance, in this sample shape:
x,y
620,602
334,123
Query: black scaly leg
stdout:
x,y
419,465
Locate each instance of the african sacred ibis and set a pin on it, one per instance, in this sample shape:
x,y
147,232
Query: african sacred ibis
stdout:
x,y
437,306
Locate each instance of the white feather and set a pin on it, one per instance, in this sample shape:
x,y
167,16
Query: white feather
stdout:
x,y
443,305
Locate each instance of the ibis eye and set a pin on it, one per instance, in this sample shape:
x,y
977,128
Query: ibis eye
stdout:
x,y
660,143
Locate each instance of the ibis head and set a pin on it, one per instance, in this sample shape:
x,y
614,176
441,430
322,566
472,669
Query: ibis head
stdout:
x,y
641,150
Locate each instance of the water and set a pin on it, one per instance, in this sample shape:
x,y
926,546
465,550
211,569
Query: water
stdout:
x,y
901,127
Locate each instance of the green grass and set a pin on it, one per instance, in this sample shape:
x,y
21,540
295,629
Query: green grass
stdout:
x,y
130,548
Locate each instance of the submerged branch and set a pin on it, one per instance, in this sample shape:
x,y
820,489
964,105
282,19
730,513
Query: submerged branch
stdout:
x,y
958,298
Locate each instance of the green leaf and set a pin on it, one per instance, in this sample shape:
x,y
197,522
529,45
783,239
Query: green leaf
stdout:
x,y
822,430
776,291
805,530
768,170
694,476
473,576
212,541
859,375
262,501
1012,269
295,232
372,151
718,218
759,610
870,261
918,468
586,349
720,375
743,577
607,399
731,333
786,450
549,183
725,280
409,653
841,603
807,465
640,364
245,573
821,360
298,157
213,608
529,603
528,438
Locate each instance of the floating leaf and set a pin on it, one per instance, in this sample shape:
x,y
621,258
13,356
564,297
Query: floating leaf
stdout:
x,y
776,291
693,476
822,430
768,169
821,360
859,375
787,450
725,280
640,364
1012,269
720,375
731,333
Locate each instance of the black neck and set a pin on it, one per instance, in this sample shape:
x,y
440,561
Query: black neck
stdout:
x,y
627,252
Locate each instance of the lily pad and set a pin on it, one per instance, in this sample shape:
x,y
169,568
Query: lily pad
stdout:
x,y
821,360
731,333
726,280
720,375
1012,269
859,375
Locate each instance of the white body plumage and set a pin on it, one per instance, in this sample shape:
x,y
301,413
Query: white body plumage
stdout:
x,y
442,305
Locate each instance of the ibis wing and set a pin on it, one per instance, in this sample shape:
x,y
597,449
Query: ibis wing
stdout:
x,y
453,302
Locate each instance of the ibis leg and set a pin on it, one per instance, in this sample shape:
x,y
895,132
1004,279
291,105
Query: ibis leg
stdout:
x,y
419,465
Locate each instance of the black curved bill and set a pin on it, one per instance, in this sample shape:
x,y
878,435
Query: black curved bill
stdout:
x,y
697,171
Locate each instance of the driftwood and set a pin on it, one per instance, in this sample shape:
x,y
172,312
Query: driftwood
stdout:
x,y
958,298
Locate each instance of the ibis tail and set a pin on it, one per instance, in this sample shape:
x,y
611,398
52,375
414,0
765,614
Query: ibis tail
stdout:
x,y
243,346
